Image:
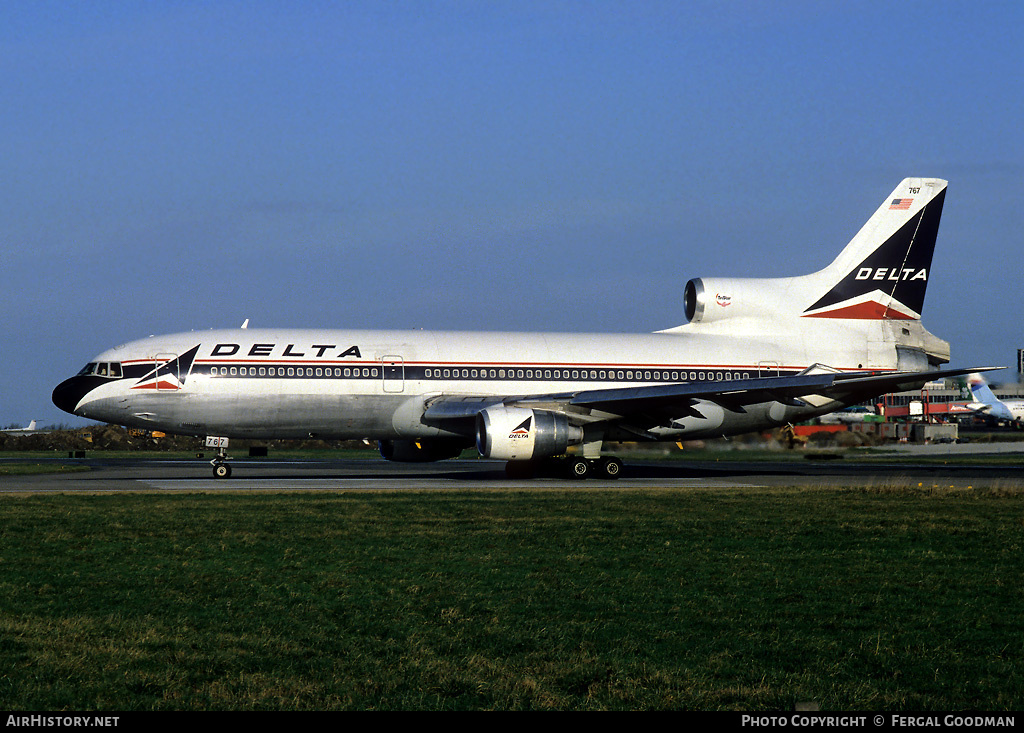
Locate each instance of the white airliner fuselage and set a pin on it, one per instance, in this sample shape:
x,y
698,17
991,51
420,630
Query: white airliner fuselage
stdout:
x,y
256,383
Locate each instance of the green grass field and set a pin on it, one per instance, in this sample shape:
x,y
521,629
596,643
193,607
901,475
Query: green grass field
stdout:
x,y
27,468
584,599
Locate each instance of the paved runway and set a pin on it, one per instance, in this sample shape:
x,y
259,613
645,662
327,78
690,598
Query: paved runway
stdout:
x,y
275,475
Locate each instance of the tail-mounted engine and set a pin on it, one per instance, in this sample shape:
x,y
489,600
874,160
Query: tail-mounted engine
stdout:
x,y
520,434
715,299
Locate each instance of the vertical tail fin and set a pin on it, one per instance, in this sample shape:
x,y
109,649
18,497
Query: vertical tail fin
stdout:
x,y
980,390
883,272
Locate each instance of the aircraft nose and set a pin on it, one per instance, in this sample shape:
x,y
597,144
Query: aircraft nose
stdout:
x,y
70,392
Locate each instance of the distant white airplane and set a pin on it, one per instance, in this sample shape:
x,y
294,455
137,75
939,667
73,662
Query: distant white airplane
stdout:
x,y
29,430
756,353
991,407
848,416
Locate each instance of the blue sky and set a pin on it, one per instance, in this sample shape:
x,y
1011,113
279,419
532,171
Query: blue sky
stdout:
x,y
170,166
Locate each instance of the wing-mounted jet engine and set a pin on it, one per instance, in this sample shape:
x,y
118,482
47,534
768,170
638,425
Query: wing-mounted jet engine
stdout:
x,y
522,434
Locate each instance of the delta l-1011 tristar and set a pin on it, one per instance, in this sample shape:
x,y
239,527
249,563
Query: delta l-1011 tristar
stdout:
x,y
756,353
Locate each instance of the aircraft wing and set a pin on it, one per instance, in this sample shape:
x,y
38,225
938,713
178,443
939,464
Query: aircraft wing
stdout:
x,y
652,404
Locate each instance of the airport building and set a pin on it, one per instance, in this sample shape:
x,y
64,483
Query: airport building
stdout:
x,y
932,413
946,398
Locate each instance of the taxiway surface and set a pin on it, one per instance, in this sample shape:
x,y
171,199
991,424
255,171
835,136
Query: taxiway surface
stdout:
x,y
103,475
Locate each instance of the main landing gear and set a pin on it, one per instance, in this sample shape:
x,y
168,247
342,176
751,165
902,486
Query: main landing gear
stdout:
x,y
574,467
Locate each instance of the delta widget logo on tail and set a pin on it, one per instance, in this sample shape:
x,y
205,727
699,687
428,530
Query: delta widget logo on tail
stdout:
x,y
890,283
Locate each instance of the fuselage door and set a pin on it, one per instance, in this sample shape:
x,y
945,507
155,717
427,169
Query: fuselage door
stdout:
x,y
168,378
768,368
393,368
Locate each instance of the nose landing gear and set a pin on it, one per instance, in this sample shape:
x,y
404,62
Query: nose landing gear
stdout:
x,y
221,468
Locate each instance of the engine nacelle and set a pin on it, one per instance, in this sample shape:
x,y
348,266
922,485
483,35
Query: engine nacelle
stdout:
x,y
521,434
715,299
421,451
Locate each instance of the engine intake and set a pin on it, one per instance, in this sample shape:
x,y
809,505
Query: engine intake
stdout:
x,y
693,301
521,434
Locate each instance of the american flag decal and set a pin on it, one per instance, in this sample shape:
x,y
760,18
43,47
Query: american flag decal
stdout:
x,y
900,204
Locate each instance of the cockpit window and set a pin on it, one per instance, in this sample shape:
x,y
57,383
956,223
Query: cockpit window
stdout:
x,y
102,369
